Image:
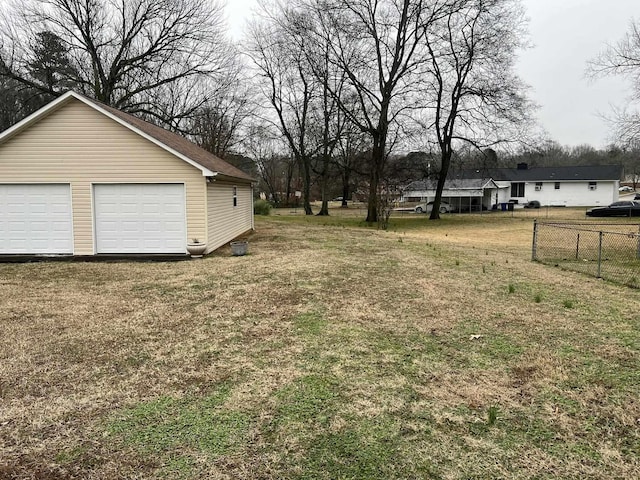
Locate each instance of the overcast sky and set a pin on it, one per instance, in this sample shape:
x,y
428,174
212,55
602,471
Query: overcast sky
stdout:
x,y
565,34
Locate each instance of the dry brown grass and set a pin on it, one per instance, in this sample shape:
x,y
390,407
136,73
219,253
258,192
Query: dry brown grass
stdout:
x,y
332,350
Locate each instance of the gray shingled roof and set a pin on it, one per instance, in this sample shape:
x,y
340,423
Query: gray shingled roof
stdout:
x,y
549,174
450,184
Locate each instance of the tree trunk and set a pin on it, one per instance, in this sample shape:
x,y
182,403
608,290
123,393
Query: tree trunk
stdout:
x,y
274,195
306,186
287,200
324,210
372,204
324,178
442,177
377,163
346,189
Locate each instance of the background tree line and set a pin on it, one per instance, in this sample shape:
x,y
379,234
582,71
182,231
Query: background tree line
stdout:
x,y
320,97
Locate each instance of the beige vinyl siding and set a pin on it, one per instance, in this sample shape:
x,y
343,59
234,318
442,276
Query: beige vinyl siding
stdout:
x,y
78,145
226,222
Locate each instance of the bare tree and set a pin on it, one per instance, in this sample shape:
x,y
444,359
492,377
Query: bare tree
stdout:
x,y
330,121
275,167
625,125
286,83
472,93
353,153
16,102
623,58
302,98
377,44
127,54
217,124
331,125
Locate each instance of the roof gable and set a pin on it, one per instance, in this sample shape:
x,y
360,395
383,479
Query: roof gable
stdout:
x,y
207,163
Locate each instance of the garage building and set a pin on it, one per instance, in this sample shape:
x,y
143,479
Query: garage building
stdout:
x,y
81,178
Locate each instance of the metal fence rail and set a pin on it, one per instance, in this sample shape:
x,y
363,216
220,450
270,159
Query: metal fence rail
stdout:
x,y
609,251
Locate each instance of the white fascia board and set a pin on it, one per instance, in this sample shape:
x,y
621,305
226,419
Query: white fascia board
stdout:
x,y
490,184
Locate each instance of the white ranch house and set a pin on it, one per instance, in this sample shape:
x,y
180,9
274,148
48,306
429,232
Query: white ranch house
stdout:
x,y
578,186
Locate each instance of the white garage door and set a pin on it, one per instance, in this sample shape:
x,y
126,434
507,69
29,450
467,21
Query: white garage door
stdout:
x,y
36,219
140,218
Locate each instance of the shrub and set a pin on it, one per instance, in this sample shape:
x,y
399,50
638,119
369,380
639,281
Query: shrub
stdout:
x,y
261,207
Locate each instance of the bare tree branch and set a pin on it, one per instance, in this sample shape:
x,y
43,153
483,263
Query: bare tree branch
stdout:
x,y
122,52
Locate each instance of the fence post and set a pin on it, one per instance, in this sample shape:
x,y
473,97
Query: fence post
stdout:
x,y
534,246
578,247
600,256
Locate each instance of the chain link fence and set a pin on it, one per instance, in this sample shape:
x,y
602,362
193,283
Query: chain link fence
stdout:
x,y
609,251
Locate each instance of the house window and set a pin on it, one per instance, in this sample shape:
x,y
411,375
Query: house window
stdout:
x,y
538,186
517,189
593,185
557,186
235,196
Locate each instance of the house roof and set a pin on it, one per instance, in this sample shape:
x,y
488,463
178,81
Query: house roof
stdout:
x,y
451,184
547,174
209,164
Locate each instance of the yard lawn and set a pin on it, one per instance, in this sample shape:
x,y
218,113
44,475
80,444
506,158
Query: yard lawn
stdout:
x,y
332,351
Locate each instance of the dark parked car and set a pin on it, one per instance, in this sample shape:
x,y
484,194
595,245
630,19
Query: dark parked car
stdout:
x,y
533,204
617,209
637,197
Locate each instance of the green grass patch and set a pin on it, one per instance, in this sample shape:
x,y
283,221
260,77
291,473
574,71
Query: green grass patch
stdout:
x,y
311,398
169,427
472,346
365,448
310,323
